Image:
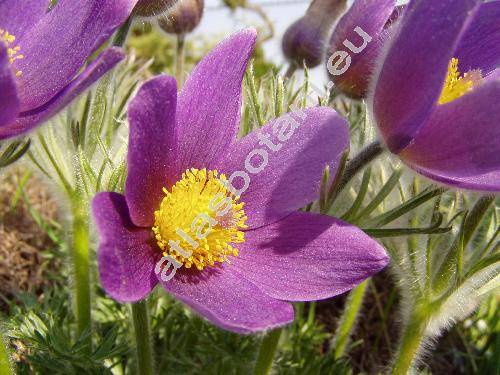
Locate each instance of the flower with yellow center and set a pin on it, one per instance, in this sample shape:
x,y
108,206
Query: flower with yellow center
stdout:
x,y
435,91
12,50
45,56
455,85
199,219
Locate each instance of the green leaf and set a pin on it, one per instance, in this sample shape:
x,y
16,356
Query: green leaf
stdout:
x,y
14,151
406,207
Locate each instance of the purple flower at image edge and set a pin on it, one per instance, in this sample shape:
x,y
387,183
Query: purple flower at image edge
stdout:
x,y
178,144
42,54
435,95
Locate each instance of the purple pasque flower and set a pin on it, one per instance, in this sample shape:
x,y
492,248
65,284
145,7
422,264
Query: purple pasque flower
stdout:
x,y
153,8
183,18
178,144
356,42
436,92
46,51
304,41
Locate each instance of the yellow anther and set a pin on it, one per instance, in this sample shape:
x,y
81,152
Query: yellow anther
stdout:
x,y
456,86
12,51
199,220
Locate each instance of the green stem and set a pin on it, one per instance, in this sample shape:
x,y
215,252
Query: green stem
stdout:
x,y
361,160
447,273
142,330
411,342
179,59
262,14
348,319
279,97
254,95
5,367
66,185
311,314
363,189
81,272
266,353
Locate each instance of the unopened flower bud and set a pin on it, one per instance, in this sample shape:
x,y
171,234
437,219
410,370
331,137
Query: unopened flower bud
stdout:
x,y
306,39
356,43
152,8
183,17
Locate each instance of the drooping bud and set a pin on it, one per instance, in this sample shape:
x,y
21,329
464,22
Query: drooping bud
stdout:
x,y
306,39
183,17
153,8
356,43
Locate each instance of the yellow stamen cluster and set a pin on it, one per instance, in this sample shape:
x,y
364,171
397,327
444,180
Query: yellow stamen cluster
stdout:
x,y
455,85
203,216
12,51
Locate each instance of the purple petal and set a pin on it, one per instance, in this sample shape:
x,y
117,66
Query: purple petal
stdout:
x,y
151,159
480,45
493,76
308,257
414,70
127,255
228,300
28,120
9,102
17,16
56,48
303,42
371,16
208,111
459,145
292,176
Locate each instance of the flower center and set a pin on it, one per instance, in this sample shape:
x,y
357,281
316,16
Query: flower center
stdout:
x,y
456,85
12,51
199,220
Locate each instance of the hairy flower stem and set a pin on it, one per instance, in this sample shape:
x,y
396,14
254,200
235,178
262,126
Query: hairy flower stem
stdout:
x,y
476,215
361,160
290,71
142,330
349,318
5,368
81,272
411,341
266,353
452,268
179,59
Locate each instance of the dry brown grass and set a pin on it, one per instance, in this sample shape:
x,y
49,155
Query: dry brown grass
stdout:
x,y
22,240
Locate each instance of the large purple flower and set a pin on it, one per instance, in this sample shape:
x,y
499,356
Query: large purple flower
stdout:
x,y
42,53
178,145
435,96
